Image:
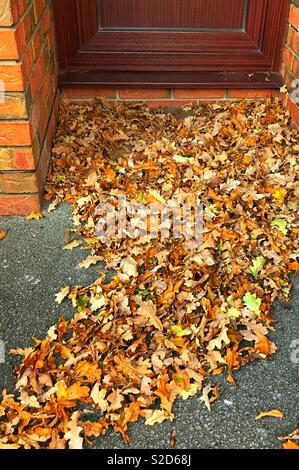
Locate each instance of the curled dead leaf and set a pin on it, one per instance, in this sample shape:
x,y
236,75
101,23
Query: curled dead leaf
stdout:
x,y
274,413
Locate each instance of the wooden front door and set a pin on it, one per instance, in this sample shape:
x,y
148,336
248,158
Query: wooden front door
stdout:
x,y
170,42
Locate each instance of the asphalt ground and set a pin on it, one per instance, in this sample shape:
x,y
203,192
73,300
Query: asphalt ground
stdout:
x,y
33,268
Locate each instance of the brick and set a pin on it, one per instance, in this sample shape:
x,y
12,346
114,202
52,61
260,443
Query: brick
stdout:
x,y
294,16
295,67
8,45
38,6
294,110
32,39
42,169
42,127
296,42
251,93
45,21
18,7
290,37
17,204
6,18
288,77
18,183
51,38
12,76
46,87
15,133
35,116
16,159
170,103
143,93
82,93
37,76
37,44
23,159
28,24
288,57
198,93
28,61
13,106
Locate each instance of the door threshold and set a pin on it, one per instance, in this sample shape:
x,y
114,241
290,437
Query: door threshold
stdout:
x,y
132,79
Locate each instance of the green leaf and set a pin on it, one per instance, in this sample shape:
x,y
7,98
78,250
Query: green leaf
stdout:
x,y
140,197
143,292
233,313
252,302
59,178
82,302
281,224
257,266
183,159
283,89
178,378
179,331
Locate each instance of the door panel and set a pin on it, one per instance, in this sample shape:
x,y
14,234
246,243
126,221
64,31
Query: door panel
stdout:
x,y
98,37
172,14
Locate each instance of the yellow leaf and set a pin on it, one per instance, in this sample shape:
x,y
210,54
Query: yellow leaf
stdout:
x,y
280,194
273,413
34,216
72,245
192,390
158,416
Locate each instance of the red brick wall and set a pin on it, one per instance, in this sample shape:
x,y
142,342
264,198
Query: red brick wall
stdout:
x,y
165,97
28,74
290,66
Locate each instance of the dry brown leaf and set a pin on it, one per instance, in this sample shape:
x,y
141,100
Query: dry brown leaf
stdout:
x,y
75,441
62,294
148,311
273,413
290,445
54,204
98,397
73,245
3,234
87,262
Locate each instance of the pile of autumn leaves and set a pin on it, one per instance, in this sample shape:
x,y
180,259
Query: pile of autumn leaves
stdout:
x,y
162,315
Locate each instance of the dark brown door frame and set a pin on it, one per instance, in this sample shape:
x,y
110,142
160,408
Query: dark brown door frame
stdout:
x,y
248,58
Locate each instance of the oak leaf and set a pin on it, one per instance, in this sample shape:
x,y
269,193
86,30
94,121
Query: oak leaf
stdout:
x,y
98,397
75,441
148,311
158,416
62,294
